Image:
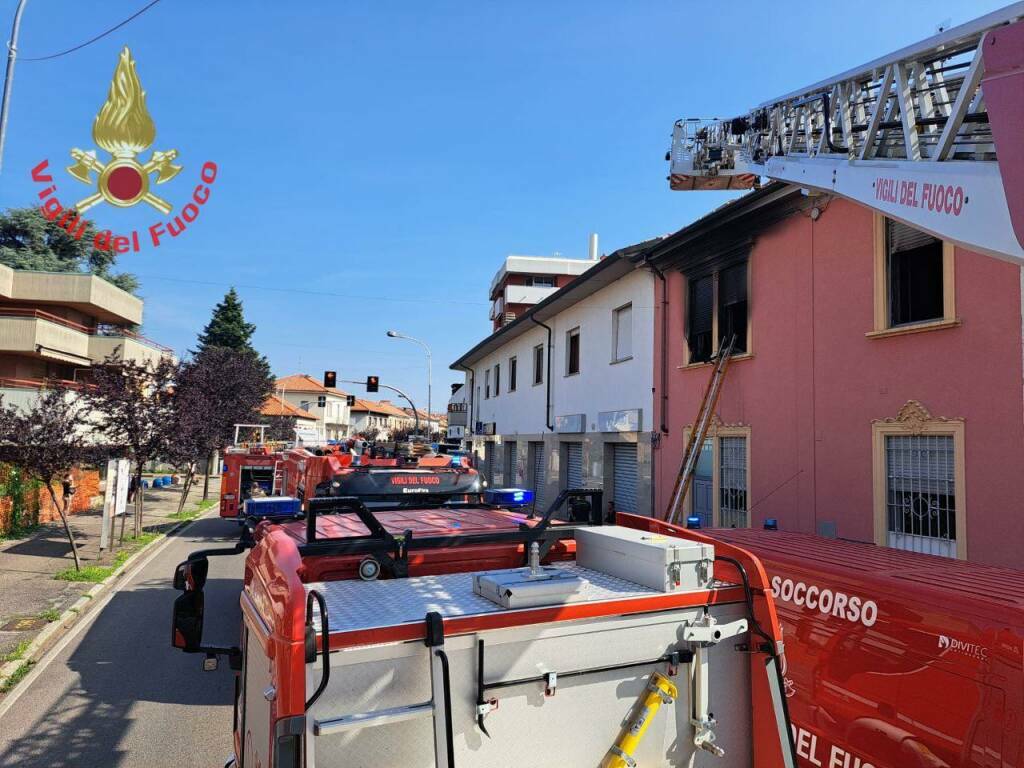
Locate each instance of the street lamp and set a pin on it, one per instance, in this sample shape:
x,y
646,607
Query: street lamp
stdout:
x,y
397,335
12,54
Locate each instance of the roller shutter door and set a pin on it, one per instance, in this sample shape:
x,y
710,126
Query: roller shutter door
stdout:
x,y
489,463
624,475
509,477
574,465
538,477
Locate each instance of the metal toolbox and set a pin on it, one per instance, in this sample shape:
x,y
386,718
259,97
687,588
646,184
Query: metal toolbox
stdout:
x,y
665,563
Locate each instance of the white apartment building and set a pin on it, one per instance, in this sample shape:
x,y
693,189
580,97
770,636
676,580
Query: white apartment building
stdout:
x,y
56,325
327,404
561,397
458,414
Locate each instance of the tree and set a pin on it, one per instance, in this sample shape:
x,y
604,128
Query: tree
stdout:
x,y
218,388
135,404
227,327
46,440
28,240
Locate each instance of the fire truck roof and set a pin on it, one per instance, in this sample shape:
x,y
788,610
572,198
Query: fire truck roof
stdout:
x,y
979,588
421,521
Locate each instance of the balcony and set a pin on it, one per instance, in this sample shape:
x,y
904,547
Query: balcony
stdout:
x,y
527,294
89,294
42,334
34,332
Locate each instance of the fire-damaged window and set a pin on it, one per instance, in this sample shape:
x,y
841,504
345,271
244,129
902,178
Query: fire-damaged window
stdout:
x,y
717,311
915,275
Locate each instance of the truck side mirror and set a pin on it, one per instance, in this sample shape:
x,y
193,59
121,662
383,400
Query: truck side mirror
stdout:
x,y
191,575
187,633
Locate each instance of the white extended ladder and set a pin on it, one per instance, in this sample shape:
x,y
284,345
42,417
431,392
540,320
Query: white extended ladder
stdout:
x,y
912,134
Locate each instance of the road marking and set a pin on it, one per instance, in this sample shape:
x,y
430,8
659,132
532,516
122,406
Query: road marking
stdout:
x,y
76,629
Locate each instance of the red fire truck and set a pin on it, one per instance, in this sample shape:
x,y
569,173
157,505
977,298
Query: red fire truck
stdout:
x,y
246,469
895,659
474,634
307,473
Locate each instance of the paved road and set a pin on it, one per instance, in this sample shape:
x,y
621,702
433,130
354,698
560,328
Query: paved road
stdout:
x,y
118,694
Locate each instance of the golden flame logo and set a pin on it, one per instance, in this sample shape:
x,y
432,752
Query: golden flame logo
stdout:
x,y
123,125
124,128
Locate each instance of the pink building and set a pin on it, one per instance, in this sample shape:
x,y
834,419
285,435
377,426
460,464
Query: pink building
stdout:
x,y
877,391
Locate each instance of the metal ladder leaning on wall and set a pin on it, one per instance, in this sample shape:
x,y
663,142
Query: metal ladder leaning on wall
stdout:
x,y
700,430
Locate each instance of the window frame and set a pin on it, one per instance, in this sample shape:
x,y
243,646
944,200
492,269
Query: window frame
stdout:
x,y
548,281
616,322
497,379
538,365
570,335
883,326
715,308
716,431
915,420
513,371
487,384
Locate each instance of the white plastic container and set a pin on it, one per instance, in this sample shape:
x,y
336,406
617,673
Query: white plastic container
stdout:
x,y
665,563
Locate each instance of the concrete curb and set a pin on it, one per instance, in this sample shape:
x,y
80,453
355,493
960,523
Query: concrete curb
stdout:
x,y
42,642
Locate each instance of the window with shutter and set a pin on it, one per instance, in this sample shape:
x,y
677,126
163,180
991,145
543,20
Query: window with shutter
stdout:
x,y
732,306
572,352
700,319
915,274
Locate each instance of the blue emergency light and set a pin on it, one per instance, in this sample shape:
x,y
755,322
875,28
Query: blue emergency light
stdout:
x,y
771,524
693,521
273,506
508,497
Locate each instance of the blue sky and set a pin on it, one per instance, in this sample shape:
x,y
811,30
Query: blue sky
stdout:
x,y
377,160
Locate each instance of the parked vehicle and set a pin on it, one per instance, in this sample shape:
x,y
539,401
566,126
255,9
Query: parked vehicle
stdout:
x,y
895,659
473,634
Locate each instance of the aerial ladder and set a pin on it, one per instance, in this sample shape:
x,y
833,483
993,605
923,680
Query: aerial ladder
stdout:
x,y
931,135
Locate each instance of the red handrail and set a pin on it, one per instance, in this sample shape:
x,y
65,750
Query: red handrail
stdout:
x,y
38,383
42,315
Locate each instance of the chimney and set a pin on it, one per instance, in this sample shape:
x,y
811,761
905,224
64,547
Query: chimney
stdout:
x,y
593,246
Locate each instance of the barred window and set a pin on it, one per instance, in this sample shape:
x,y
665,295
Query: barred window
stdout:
x,y
733,482
921,493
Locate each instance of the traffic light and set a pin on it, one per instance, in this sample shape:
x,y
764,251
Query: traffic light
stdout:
x,y
321,401
350,400
330,379
372,383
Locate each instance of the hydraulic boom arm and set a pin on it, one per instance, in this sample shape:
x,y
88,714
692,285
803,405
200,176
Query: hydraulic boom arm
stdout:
x,y
932,135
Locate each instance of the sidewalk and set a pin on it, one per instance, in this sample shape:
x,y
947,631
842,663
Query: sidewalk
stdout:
x,y
30,596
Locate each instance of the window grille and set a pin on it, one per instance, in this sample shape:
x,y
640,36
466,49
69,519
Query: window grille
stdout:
x,y
921,493
732,509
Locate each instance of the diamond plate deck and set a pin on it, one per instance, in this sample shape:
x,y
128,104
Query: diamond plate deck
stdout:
x,y
356,605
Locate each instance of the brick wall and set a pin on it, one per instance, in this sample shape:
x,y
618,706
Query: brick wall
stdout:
x,y
36,504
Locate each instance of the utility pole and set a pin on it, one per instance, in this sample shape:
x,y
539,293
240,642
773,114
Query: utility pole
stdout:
x,y
12,54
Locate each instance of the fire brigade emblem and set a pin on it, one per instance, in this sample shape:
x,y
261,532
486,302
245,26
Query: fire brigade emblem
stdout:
x,y
124,129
